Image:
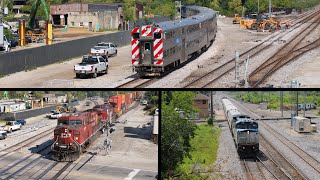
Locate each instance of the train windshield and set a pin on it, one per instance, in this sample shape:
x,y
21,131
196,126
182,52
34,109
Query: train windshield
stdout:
x,y
247,126
72,123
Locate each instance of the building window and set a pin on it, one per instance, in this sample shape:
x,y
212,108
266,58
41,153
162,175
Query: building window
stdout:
x,y
204,102
72,23
81,24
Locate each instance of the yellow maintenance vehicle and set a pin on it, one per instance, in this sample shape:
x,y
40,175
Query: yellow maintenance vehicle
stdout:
x,y
66,107
236,19
250,22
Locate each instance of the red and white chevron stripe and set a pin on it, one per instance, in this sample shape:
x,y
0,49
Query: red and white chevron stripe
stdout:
x,y
135,62
135,44
146,30
159,62
158,46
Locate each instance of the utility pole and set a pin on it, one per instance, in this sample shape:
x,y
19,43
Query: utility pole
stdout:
x,y
304,104
237,74
281,103
211,106
297,103
270,8
246,85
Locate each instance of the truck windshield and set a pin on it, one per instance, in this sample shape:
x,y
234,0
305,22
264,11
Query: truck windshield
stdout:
x,y
101,44
72,123
9,123
90,60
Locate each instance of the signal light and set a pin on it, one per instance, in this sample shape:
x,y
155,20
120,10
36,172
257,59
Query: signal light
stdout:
x,y
243,2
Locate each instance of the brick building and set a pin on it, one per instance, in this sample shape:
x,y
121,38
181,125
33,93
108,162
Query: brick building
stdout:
x,y
202,103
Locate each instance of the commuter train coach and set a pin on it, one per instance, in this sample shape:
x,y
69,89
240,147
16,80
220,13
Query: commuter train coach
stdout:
x,y
163,46
76,132
244,130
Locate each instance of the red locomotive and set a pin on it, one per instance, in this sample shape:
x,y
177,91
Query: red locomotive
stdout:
x,y
74,133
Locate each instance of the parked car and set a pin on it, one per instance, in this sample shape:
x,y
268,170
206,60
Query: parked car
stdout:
x,y
16,36
13,42
56,115
48,115
105,48
88,103
3,134
91,65
11,126
22,121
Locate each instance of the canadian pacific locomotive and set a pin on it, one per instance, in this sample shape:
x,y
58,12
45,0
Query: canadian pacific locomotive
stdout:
x,y
244,130
76,132
160,47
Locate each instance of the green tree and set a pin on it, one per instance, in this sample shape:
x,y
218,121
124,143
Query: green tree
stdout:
x,y
176,131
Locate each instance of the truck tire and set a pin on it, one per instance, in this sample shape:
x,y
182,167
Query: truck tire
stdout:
x,y
95,74
107,70
77,75
10,130
115,54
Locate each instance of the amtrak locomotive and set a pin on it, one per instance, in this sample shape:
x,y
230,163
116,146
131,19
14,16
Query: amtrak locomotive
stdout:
x,y
244,130
163,46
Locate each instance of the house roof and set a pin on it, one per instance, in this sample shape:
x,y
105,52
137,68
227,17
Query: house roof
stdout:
x,y
201,97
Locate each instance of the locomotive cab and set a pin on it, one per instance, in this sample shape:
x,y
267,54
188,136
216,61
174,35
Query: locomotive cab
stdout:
x,y
66,145
247,140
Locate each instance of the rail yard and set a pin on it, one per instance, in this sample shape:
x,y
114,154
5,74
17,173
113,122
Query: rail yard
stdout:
x,y
255,140
284,153
275,58
123,147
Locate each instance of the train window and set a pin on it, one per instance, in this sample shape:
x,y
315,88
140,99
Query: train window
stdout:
x,y
147,46
157,35
136,35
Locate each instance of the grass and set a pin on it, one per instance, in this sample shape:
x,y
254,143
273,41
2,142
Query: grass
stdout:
x,y
204,151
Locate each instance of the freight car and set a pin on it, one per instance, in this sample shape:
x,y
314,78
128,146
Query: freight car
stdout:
x,y
244,130
163,46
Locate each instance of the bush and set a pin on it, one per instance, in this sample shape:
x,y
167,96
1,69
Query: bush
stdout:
x,y
210,122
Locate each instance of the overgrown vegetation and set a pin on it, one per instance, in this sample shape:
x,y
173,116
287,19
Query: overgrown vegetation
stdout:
x,y
188,151
273,98
153,99
203,154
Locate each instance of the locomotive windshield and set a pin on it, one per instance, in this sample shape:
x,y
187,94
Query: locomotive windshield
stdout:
x,y
247,126
72,123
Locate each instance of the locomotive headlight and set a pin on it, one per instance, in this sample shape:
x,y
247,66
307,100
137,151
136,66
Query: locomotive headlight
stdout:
x,y
243,147
76,138
65,130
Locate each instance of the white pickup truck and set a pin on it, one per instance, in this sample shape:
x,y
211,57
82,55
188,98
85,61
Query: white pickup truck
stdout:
x,y
11,126
91,65
105,48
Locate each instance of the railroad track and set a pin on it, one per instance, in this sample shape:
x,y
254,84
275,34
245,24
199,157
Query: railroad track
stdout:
x,y
212,76
314,163
286,54
5,171
304,156
25,143
138,83
253,169
284,168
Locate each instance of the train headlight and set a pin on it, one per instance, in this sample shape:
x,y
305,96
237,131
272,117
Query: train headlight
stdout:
x,y
76,138
243,147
